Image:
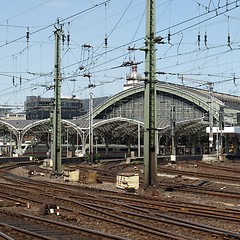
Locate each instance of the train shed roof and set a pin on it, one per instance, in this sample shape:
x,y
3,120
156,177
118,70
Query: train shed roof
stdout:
x,y
119,125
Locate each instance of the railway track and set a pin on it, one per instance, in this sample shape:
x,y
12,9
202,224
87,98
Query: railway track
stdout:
x,y
116,214
146,215
27,225
219,177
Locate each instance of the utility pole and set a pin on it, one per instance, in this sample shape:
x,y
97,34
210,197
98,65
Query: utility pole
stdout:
x,y
57,135
150,136
221,127
210,119
90,128
173,135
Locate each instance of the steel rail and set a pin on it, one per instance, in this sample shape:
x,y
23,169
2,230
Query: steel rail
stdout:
x,y
198,174
64,225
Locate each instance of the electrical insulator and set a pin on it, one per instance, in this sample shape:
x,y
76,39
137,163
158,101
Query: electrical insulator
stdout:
x,y
68,38
205,39
86,46
169,37
13,81
27,35
63,40
199,39
106,41
234,80
229,40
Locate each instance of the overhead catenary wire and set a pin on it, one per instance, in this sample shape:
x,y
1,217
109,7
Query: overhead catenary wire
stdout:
x,y
123,44
28,33
28,10
111,31
118,57
184,29
52,25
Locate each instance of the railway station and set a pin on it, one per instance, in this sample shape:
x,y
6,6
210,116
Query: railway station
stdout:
x,y
200,121
149,142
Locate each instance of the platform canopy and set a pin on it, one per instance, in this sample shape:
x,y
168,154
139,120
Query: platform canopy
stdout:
x,y
121,116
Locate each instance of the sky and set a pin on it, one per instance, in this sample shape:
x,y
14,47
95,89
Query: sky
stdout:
x,y
201,45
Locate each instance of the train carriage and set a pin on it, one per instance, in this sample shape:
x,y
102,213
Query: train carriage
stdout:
x,y
42,151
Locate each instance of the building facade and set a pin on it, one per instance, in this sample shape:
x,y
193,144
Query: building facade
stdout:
x,y
37,108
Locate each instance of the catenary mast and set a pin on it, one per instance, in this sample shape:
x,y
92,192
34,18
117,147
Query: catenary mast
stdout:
x,y
150,131
56,154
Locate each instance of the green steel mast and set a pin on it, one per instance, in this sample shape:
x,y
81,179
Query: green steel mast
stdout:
x,y
150,131
57,106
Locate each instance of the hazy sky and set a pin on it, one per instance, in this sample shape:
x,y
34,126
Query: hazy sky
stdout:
x,y
204,45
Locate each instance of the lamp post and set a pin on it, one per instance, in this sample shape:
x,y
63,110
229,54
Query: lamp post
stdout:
x,y
96,139
83,143
139,141
19,141
10,144
67,141
33,143
173,135
90,129
50,144
77,141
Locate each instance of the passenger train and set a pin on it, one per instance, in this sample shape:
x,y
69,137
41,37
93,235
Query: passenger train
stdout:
x,y
112,151
42,151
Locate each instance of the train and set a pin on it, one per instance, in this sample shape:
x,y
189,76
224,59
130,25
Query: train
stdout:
x,y
42,151
113,151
